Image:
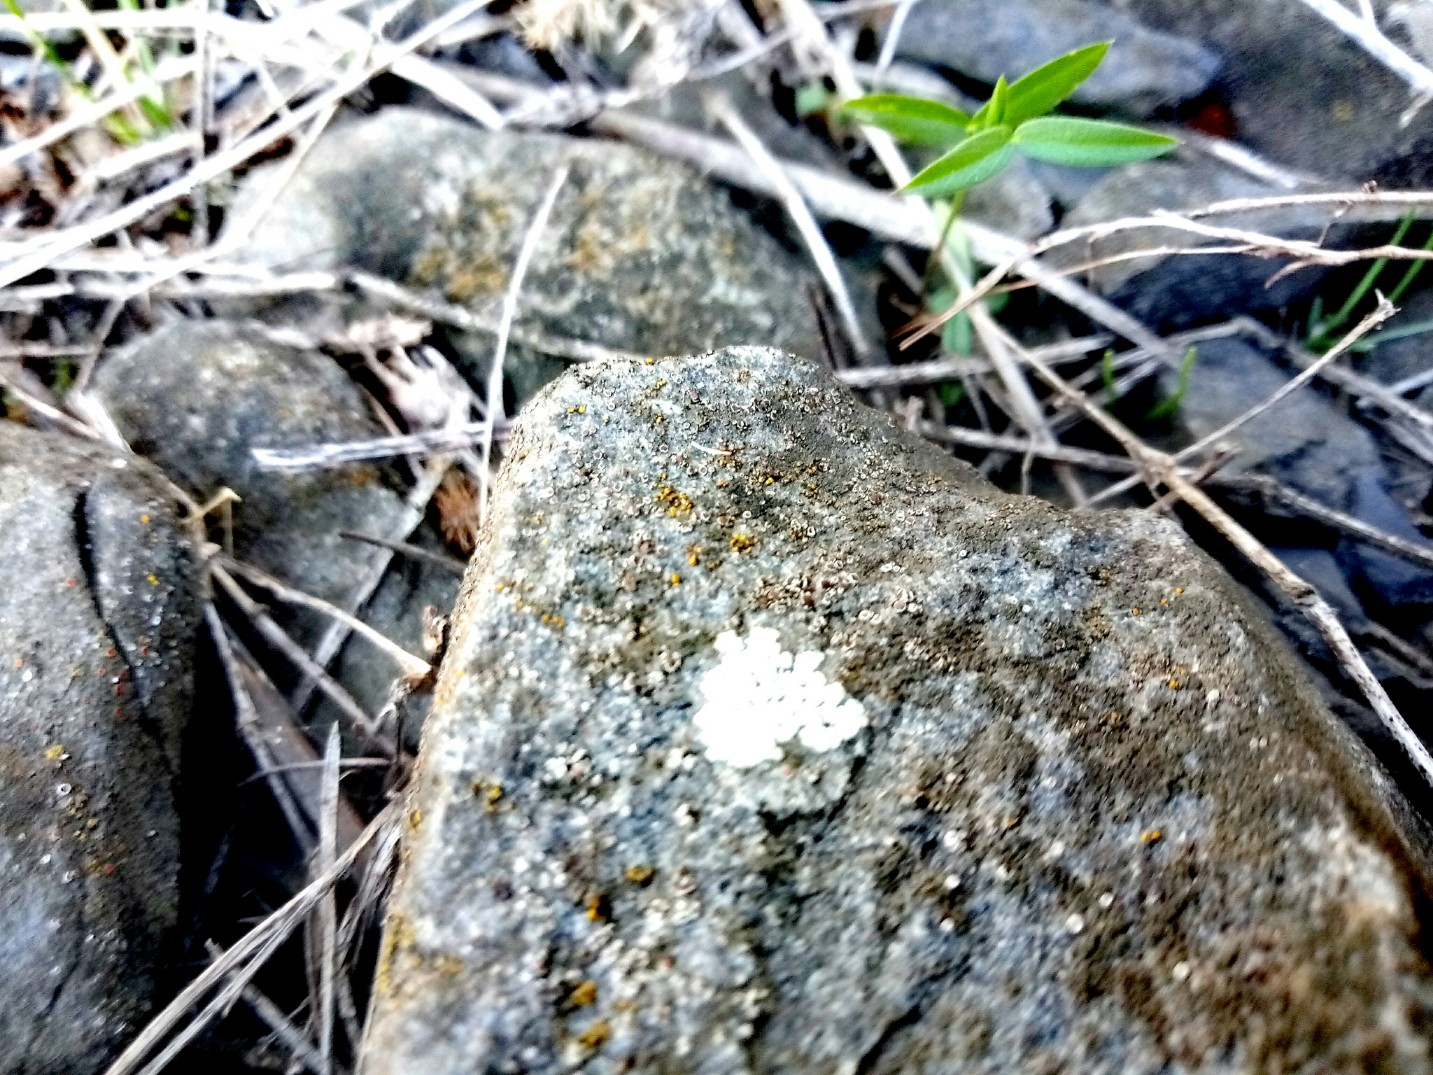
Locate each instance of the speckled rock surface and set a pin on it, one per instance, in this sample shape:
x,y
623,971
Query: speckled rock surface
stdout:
x,y
640,254
772,740
984,39
98,613
197,397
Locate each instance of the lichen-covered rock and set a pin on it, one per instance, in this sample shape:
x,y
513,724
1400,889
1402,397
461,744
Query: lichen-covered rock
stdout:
x,y
771,739
984,39
98,613
640,254
197,397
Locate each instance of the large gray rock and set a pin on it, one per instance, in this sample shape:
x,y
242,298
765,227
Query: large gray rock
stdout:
x,y
98,614
197,397
640,254
984,39
771,739
1300,91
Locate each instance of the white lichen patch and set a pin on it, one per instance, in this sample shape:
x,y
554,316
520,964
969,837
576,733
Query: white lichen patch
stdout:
x,y
758,696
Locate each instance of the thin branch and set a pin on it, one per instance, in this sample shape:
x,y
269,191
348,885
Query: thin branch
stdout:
x,y
345,453
411,664
1365,32
509,313
236,967
720,107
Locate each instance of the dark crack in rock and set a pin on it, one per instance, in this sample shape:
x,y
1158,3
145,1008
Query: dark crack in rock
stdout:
x,y
98,615
771,739
640,254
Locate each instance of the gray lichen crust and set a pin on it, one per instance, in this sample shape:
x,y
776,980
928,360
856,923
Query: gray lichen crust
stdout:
x,y
773,740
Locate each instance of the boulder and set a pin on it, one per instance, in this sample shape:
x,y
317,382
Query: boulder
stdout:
x,y
640,254
196,397
99,609
771,739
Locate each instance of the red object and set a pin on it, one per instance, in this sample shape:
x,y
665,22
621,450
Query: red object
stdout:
x,y
1213,118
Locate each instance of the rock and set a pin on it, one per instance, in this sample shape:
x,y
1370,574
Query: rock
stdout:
x,y
1181,289
1301,92
197,397
1304,440
98,614
984,39
1312,445
640,254
771,739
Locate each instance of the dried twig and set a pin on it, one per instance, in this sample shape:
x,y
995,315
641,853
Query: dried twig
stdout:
x,y
234,969
509,313
1364,31
825,261
410,664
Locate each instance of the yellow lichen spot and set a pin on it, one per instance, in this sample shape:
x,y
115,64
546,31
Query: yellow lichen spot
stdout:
x,y
1151,836
640,874
1174,684
579,409
1343,111
144,518
677,504
583,994
1179,589
1134,612
415,818
595,1036
676,578
153,579
55,752
650,361
554,619
599,909
741,543
694,555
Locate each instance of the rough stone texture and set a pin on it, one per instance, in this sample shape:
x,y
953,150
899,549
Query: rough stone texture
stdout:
x,y
98,613
984,39
640,254
1300,91
197,397
1085,815
1181,289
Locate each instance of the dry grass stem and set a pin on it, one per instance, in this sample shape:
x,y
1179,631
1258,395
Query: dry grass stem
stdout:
x,y
410,664
494,396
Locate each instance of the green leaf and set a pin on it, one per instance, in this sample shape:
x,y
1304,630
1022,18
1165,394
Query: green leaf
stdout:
x,y
1167,407
1088,143
978,158
998,102
1043,88
911,119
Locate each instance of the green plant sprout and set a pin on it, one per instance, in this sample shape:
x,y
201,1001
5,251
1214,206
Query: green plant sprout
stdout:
x,y
1167,407
1015,119
1323,332
981,145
